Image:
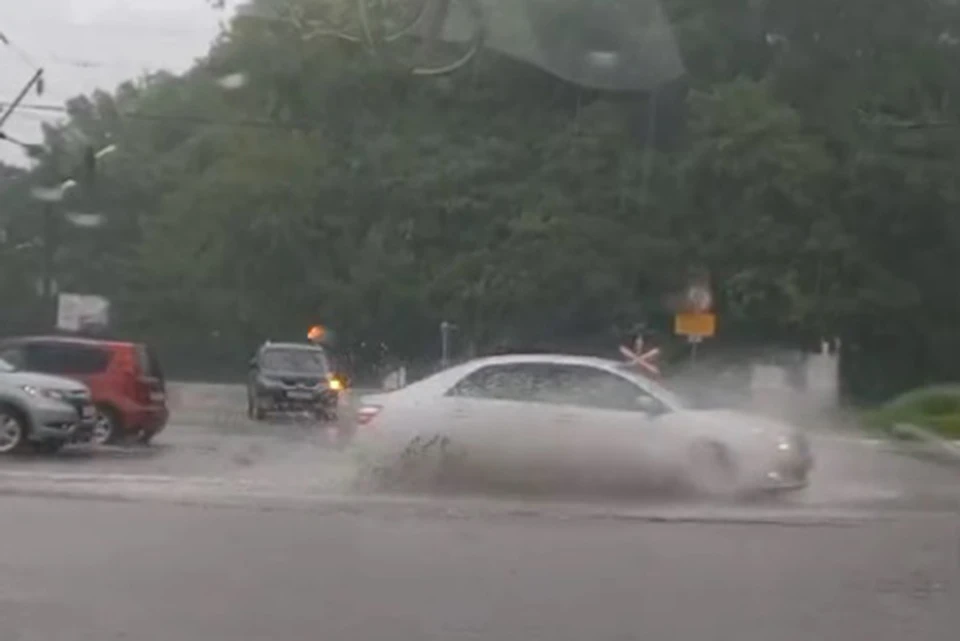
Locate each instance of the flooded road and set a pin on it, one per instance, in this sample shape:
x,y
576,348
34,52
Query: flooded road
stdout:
x,y
300,461
246,532
169,572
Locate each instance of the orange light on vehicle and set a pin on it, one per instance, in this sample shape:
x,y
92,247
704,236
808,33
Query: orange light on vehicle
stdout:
x,y
335,384
316,333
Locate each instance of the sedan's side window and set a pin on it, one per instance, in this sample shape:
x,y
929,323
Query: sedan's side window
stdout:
x,y
13,355
512,382
586,386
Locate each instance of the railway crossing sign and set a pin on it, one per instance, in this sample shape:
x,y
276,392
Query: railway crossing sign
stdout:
x,y
645,360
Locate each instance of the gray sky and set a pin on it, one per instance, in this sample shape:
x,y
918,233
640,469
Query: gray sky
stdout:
x,y
88,44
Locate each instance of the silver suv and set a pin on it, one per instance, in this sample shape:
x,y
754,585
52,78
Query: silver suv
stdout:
x,y
41,410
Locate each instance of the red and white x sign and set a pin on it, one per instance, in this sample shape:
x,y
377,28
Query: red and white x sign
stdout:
x,y
645,360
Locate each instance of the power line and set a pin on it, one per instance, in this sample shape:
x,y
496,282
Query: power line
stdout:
x,y
127,27
18,51
198,120
87,63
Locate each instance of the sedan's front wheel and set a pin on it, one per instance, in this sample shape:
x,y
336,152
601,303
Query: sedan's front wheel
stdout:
x,y
713,470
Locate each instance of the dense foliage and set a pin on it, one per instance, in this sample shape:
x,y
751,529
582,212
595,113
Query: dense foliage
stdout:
x,y
935,408
808,158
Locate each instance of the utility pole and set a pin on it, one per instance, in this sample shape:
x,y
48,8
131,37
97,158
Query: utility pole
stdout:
x,y
49,249
50,240
445,329
34,80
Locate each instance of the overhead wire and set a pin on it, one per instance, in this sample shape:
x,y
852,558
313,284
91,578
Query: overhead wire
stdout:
x,y
38,109
199,120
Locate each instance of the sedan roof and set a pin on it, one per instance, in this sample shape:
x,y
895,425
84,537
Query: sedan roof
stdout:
x,y
560,359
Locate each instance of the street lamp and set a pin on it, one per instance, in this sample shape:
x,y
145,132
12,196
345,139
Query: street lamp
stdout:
x,y
86,220
53,194
49,196
106,151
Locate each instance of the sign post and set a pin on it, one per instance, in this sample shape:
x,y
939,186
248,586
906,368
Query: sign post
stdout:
x,y
446,328
696,319
82,312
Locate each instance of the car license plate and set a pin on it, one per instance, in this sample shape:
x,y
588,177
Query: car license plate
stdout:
x,y
88,411
300,396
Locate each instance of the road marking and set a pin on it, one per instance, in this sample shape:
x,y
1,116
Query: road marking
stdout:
x,y
286,484
448,507
847,505
156,480
848,440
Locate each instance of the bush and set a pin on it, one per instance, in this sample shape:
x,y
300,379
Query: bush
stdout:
x,y
936,408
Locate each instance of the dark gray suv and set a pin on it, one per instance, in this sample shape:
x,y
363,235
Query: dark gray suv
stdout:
x,y
292,377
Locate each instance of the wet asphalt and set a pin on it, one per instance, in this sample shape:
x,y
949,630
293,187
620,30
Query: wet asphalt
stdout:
x,y
226,529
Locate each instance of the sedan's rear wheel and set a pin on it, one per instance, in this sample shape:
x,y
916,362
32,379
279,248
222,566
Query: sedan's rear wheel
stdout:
x,y
13,430
713,470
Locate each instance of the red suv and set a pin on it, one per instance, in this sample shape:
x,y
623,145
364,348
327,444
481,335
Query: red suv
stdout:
x,y
125,380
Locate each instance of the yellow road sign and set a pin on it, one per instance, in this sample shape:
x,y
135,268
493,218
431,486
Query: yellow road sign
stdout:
x,y
695,324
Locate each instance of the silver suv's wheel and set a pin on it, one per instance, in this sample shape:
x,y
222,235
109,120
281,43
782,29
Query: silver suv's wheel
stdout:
x,y
13,431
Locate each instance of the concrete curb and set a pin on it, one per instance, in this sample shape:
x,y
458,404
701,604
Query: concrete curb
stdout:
x,y
931,445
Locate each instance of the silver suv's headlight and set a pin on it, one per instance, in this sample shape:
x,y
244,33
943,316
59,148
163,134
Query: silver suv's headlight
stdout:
x,y
55,394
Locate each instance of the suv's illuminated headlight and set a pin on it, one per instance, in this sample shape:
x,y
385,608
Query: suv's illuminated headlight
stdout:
x,y
54,394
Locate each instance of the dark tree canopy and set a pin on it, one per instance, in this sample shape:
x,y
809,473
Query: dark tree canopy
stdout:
x,y
807,155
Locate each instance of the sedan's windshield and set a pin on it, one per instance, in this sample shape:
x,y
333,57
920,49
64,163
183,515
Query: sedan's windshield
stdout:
x,y
6,367
307,361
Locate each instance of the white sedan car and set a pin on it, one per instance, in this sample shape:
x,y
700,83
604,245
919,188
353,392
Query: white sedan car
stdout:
x,y
559,417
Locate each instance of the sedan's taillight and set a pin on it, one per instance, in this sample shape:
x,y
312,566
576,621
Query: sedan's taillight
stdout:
x,y
367,413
